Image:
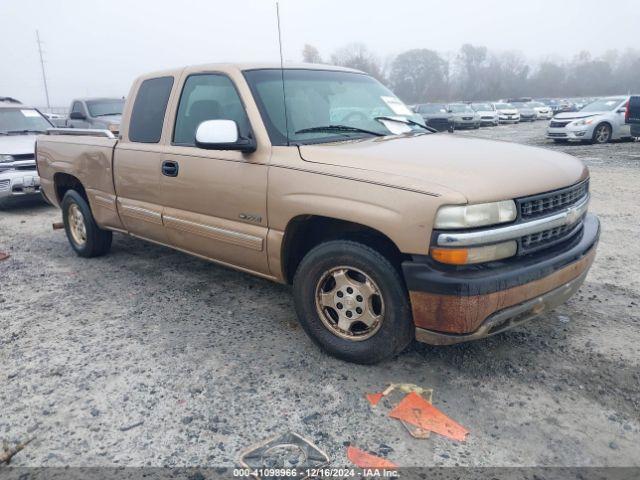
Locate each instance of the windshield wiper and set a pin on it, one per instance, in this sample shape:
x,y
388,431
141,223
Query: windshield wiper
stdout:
x,y
107,114
407,121
19,132
339,128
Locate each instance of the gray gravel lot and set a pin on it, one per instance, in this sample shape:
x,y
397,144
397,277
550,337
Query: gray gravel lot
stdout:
x,y
150,357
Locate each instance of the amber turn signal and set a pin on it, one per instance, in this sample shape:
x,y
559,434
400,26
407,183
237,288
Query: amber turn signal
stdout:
x,y
469,256
452,256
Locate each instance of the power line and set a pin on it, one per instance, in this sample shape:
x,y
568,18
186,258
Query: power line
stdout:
x,y
44,76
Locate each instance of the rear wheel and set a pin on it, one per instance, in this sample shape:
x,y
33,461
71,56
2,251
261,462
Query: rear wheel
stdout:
x,y
352,302
84,235
602,134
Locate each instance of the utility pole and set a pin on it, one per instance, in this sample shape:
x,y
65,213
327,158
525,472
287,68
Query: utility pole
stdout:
x,y
44,76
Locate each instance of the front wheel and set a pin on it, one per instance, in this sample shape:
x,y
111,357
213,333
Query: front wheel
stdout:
x,y
602,134
352,302
84,235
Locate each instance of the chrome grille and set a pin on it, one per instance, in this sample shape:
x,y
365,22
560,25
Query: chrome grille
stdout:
x,y
547,203
556,124
4,185
546,238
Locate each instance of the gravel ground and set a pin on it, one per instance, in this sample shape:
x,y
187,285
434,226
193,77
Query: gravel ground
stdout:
x,y
150,357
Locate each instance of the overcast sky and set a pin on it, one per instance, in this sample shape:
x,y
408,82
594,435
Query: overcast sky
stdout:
x,y
96,48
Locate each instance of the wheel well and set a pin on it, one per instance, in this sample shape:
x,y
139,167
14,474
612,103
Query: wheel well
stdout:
x,y
307,231
64,182
605,122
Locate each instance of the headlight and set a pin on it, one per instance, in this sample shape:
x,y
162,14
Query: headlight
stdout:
x,y
478,215
6,158
581,123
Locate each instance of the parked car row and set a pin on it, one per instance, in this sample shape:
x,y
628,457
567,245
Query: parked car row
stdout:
x,y
460,115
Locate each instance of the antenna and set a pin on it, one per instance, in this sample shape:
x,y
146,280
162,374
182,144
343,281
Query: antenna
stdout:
x,y
284,95
44,77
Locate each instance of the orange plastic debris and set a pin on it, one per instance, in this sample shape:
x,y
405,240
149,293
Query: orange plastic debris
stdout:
x,y
363,459
417,411
3,256
374,398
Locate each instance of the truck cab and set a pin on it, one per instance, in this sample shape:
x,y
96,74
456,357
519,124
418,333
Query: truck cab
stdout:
x,y
96,113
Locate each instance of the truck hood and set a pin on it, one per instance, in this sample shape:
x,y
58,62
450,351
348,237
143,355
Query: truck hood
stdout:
x,y
480,170
17,144
106,119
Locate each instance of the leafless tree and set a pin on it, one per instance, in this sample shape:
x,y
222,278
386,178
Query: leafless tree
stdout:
x,y
358,56
310,54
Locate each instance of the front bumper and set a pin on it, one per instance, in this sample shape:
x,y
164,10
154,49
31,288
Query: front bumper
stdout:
x,y
461,123
455,304
509,119
489,120
18,183
570,133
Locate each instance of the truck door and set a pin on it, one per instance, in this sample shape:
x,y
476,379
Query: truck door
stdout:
x,y
633,116
138,160
621,113
214,200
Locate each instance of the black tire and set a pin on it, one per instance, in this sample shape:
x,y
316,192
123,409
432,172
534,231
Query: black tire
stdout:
x,y
98,241
396,329
602,134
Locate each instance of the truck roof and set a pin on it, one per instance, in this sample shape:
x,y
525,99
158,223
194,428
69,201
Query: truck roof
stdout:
x,y
85,99
240,67
15,105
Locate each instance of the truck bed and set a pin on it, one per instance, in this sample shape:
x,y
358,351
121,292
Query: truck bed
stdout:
x,y
82,156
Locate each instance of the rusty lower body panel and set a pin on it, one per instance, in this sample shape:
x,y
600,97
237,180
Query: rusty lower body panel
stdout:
x,y
468,312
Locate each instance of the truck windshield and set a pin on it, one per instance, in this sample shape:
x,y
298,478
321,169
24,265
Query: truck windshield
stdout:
x,y
319,99
16,121
101,108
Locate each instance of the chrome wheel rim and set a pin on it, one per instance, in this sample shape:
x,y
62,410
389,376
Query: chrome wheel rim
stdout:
x,y
349,303
77,226
602,134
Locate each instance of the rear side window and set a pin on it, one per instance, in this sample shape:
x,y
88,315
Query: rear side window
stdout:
x,y
149,108
77,107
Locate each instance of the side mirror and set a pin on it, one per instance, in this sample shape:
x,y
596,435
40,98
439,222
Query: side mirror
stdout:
x,y
222,135
622,110
77,116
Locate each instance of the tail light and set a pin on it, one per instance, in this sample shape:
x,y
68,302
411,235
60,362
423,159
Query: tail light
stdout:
x,y
626,114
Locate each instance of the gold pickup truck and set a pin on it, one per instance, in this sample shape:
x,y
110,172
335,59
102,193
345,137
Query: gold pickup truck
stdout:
x,y
322,178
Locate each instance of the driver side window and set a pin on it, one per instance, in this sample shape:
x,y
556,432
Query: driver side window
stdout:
x,y
207,97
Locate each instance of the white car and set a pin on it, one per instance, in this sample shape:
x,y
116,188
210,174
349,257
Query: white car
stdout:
x,y
599,122
507,113
19,126
488,113
544,111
